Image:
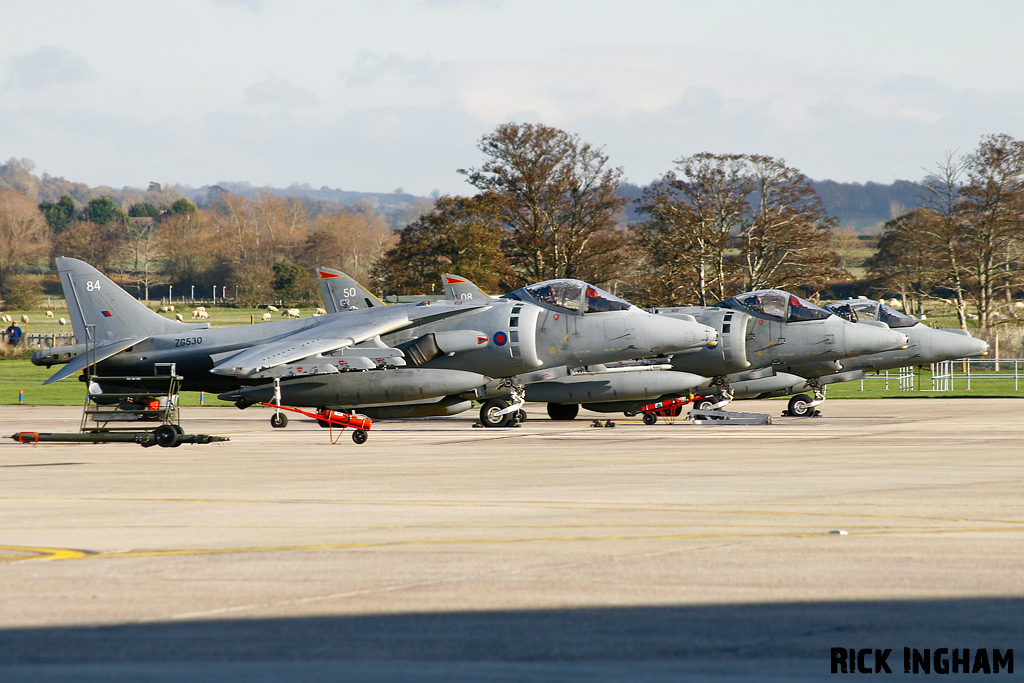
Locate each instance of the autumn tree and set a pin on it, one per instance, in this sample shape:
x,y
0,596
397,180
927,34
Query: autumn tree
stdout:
x,y
691,216
190,248
349,240
99,245
558,198
24,235
462,235
258,233
909,260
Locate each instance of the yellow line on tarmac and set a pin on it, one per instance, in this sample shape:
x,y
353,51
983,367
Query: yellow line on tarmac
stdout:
x,y
41,553
66,554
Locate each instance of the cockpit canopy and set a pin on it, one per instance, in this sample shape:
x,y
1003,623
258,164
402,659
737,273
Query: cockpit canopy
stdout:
x,y
866,309
575,296
775,303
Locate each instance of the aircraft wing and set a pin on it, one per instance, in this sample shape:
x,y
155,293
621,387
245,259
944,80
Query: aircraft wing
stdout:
x,y
102,352
337,331
310,342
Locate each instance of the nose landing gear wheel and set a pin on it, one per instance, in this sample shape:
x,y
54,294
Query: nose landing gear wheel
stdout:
x,y
798,406
489,416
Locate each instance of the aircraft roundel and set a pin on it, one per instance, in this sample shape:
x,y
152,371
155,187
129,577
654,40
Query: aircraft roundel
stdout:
x,y
500,338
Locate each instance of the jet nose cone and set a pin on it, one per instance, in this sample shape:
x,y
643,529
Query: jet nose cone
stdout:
x,y
667,335
957,344
862,339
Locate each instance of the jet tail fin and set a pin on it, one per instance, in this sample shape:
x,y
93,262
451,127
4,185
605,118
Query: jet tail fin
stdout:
x,y
342,293
94,300
460,289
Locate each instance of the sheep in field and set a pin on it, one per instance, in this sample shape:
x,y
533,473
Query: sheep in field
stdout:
x,y
49,314
267,316
273,309
291,313
24,319
167,309
179,317
321,311
63,321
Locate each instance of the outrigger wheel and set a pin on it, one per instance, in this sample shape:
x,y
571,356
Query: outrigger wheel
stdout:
x,y
278,420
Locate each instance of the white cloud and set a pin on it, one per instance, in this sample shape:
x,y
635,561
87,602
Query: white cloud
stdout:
x,y
276,91
45,67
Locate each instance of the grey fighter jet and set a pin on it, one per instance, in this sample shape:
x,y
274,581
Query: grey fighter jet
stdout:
x,y
763,336
608,387
926,345
554,323
778,333
125,338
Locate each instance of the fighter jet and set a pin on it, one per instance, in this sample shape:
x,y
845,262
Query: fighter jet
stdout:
x,y
926,345
763,336
563,322
124,338
771,335
607,387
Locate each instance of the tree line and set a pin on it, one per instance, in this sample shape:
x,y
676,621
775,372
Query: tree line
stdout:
x,y
547,205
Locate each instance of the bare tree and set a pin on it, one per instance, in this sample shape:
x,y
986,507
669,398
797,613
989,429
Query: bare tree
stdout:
x,y
349,240
785,242
691,218
993,212
940,239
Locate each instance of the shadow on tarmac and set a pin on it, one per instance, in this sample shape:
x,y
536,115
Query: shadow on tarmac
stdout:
x,y
715,643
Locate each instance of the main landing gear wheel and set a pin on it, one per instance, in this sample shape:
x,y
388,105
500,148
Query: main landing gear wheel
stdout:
x,y
167,436
359,436
704,404
278,420
489,416
650,418
563,411
798,406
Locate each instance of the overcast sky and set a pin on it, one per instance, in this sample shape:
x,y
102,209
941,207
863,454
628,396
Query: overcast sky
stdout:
x,y
375,96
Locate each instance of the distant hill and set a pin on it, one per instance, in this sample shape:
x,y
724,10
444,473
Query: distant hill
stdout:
x,y
863,208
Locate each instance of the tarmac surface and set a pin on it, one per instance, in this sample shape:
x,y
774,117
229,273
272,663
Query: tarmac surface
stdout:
x,y
555,551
